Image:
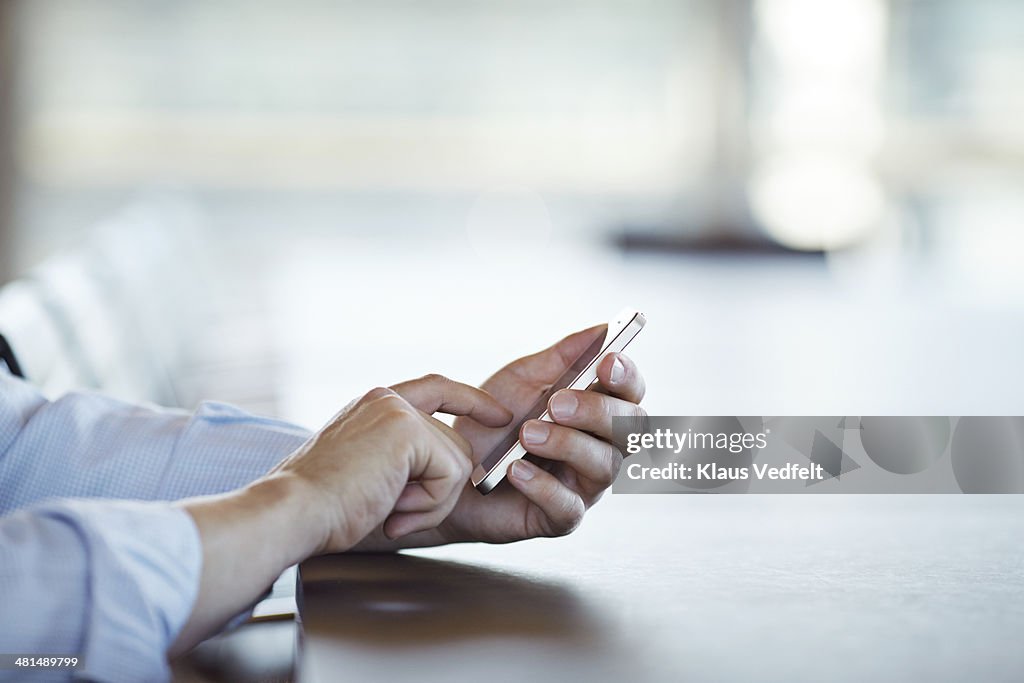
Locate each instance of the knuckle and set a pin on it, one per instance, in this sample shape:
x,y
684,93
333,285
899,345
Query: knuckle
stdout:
x,y
377,392
641,418
609,407
635,420
435,378
396,411
571,516
642,390
460,447
615,465
460,463
393,400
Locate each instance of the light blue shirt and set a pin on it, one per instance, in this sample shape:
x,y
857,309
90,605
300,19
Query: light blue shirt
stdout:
x,y
94,562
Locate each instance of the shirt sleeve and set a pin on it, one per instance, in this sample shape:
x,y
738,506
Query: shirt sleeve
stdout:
x,y
111,582
86,445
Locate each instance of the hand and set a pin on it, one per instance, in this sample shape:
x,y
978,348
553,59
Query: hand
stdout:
x,y
381,464
383,461
579,461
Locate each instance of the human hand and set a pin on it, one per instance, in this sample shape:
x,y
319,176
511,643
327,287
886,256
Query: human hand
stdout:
x,y
383,461
381,464
578,461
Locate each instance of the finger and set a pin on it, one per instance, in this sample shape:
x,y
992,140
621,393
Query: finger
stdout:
x,y
562,507
590,457
553,361
594,412
447,457
400,524
621,377
436,393
446,432
414,498
435,489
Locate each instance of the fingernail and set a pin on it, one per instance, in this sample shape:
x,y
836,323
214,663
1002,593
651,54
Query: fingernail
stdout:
x,y
535,433
564,404
618,371
523,470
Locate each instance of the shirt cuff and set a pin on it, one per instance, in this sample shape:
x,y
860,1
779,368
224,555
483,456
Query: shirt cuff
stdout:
x,y
145,560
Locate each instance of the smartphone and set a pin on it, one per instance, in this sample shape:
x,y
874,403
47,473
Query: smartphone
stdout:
x,y
579,375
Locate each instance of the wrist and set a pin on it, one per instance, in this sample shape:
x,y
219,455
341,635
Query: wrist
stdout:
x,y
290,515
249,537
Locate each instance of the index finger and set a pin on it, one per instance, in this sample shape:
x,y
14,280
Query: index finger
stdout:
x,y
436,393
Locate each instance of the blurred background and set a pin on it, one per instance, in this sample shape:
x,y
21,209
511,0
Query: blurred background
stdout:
x,y
818,203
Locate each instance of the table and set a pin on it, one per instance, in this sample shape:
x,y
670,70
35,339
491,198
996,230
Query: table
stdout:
x,y
691,587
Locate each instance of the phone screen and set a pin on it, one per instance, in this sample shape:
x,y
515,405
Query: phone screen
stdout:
x,y
538,408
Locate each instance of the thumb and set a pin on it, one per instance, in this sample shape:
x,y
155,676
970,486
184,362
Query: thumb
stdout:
x,y
553,361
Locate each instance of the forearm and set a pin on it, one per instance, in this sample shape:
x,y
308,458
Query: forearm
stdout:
x,y
248,537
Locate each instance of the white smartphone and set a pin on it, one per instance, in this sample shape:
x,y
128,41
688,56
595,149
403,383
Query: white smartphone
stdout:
x,y
580,375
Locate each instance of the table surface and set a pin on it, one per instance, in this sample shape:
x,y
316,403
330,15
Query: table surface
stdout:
x,y
691,587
